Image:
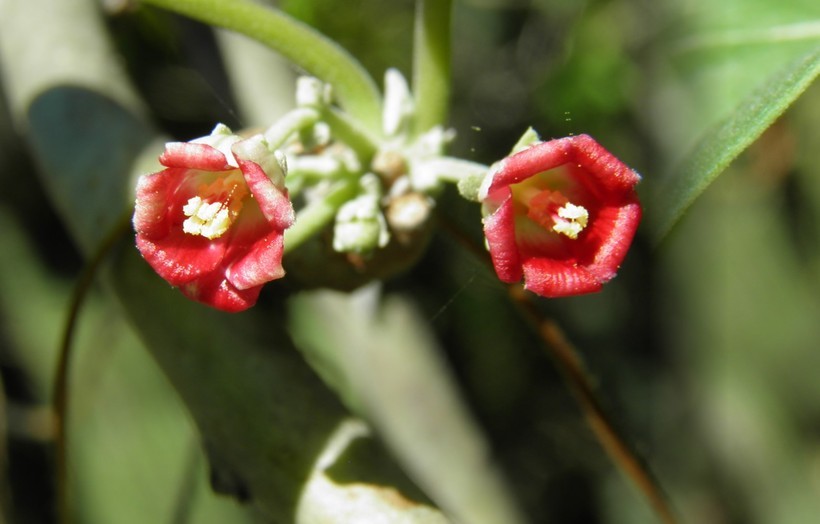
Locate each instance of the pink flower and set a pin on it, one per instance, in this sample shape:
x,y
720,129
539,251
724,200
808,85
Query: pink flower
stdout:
x,y
561,214
212,221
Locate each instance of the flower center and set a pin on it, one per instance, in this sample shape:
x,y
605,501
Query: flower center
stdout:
x,y
553,211
571,220
215,207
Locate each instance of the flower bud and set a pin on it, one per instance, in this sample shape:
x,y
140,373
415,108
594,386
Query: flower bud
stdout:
x,y
312,92
360,225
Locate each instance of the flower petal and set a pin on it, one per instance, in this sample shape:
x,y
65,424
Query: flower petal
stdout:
x,y
613,178
180,258
153,194
265,177
623,223
503,247
542,156
191,155
215,291
554,278
261,263
273,202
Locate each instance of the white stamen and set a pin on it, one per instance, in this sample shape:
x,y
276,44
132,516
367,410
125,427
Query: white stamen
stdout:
x,y
209,220
571,220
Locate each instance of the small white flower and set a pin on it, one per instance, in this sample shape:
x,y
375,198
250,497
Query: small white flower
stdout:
x,y
360,224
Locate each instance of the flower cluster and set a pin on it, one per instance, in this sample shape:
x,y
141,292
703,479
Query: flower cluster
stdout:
x,y
559,214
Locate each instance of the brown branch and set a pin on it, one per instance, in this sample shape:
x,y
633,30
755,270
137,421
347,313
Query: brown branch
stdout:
x,y
571,365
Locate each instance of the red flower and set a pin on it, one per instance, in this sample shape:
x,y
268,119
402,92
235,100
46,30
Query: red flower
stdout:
x,y
561,214
212,221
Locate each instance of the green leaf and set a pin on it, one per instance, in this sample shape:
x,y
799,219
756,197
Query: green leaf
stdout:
x,y
383,360
723,72
747,338
726,139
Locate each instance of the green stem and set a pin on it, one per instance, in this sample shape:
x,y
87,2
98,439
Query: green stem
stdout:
x,y
342,127
431,64
347,130
290,123
298,42
318,214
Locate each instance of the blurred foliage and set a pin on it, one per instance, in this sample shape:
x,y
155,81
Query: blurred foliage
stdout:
x,y
705,349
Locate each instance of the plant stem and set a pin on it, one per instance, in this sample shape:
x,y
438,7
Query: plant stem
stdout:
x,y
347,130
431,63
291,122
297,42
61,391
571,365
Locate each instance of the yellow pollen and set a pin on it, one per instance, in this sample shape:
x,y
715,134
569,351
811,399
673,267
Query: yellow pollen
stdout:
x,y
214,214
571,220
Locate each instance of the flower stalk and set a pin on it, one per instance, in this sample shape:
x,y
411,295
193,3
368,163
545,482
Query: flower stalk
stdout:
x,y
571,365
290,123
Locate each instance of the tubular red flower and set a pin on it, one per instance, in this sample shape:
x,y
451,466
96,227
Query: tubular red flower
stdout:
x,y
212,222
561,215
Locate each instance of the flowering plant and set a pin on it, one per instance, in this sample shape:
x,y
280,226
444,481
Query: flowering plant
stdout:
x,y
401,275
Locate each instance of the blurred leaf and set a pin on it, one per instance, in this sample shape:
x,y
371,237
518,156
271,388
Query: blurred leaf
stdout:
x,y
724,141
88,62
384,362
745,334
431,63
725,74
129,435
